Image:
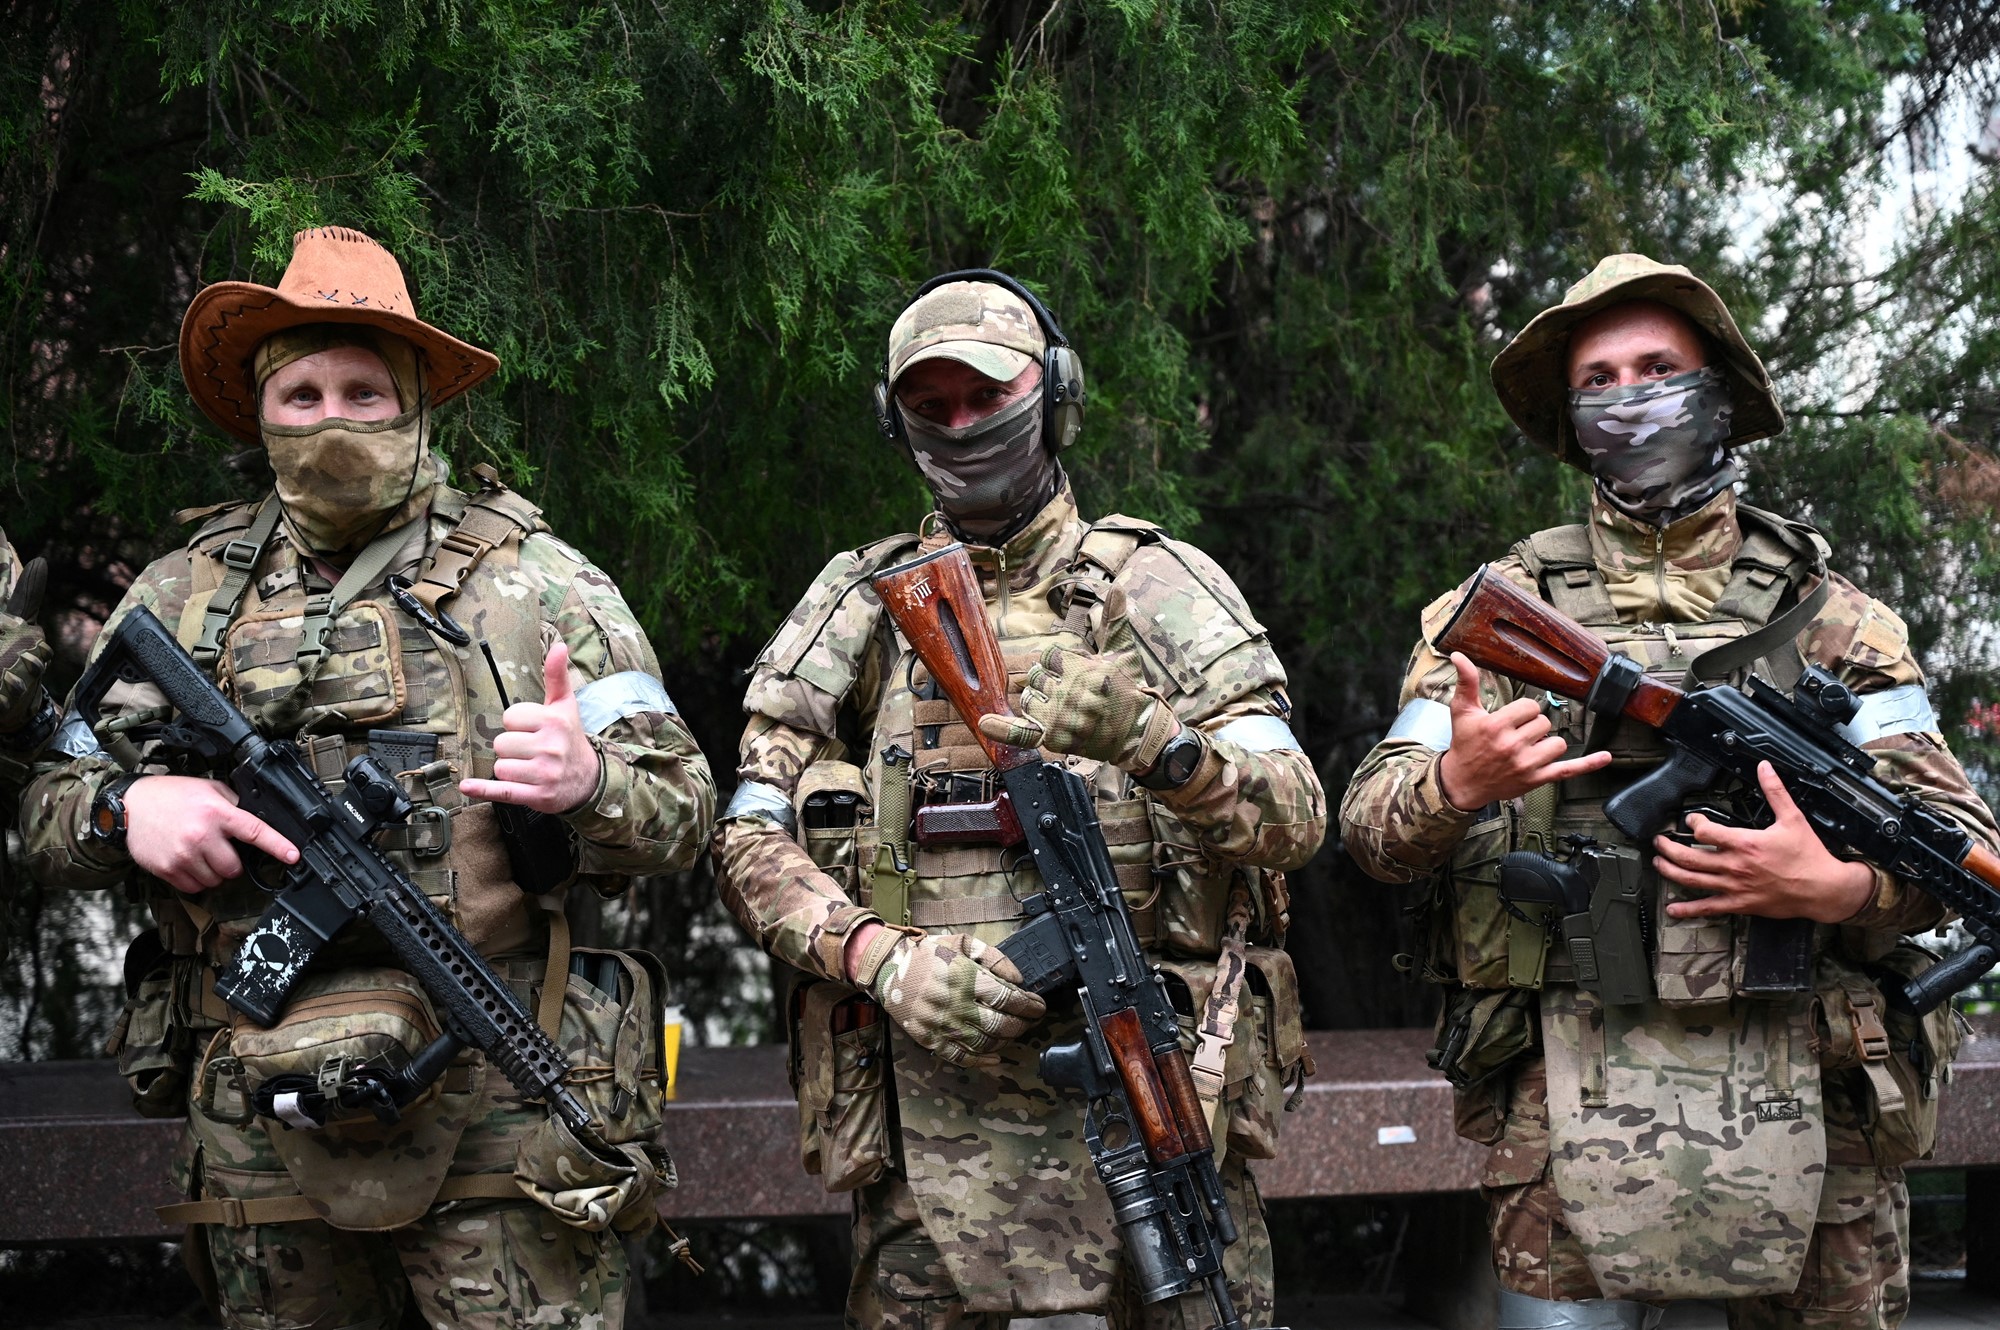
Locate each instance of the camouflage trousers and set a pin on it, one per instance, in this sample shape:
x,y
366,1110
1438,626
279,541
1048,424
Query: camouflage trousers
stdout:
x,y
1857,1269
900,1280
483,1265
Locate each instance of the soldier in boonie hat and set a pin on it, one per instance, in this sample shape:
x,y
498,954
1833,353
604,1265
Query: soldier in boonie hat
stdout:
x,y
340,612
1714,1139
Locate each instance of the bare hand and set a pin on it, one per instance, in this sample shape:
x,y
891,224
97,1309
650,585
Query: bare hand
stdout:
x,y
1782,871
183,830
1502,754
542,760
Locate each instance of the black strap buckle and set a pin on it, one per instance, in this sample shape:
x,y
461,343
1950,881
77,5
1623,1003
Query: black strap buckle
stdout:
x,y
440,623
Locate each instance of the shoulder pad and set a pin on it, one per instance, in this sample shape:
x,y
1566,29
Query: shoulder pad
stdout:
x,y
506,503
1555,547
219,519
1857,635
1801,540
1194,627
823,639
1110,541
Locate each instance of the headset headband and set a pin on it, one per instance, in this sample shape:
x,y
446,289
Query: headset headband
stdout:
x,y
1048,320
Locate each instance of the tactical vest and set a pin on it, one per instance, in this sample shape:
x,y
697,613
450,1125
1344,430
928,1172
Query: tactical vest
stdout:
x,y
1178,897
1489,947
386,685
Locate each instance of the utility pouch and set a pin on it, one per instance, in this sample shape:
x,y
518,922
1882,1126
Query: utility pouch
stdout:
x,y
361,681
832,804
1481,1032
362,1174
612,1036
1487,947
1694,960
154,1041
1905,1059
839,1067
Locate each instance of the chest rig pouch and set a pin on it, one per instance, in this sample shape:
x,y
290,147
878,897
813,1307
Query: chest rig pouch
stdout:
x,y
1705,1099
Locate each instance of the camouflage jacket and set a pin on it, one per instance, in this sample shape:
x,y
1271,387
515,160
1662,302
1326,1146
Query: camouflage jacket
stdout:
x,y
834,686
1399,826
383,671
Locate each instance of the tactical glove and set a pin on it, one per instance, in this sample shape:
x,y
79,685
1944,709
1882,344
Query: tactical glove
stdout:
x,y
955,995
1091,706
24,654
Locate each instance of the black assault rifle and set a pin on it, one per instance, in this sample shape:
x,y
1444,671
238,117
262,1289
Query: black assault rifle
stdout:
x,y
340,877
1717,735
1143,1120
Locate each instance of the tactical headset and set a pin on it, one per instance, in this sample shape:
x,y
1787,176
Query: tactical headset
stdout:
x,y
1062,370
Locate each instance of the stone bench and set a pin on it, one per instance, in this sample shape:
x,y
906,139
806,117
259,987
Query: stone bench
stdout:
x,y
76,1165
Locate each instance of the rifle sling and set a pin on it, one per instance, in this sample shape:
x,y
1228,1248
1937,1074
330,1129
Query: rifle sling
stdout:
x,y
1743,651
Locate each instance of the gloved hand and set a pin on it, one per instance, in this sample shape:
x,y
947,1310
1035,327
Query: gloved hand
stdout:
x,y
24,654
1092,706
955,995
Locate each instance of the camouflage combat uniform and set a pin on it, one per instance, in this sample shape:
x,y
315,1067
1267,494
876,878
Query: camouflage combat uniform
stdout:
x,y
389,686
974,1195
1664,586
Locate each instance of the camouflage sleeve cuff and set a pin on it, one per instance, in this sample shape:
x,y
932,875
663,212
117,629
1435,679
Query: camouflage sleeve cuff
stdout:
x,y
829,950
598,816
1897,906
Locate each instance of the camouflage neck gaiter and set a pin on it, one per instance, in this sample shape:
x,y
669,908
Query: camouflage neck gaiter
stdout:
x,y
991,476
1656,448
343,482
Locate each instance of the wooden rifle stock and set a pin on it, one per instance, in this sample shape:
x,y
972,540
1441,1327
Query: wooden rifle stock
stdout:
x,y
935,601
1501,628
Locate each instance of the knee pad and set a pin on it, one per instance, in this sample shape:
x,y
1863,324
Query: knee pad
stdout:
x,y
1518,1311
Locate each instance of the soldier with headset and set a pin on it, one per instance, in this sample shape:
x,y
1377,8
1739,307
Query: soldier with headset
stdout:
x,y
1132,657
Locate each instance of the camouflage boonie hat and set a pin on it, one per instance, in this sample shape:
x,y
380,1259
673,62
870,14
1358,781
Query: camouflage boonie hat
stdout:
x,y
979,324
1530,374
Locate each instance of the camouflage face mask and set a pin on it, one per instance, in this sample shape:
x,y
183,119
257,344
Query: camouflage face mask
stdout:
x,y
991,476
1656,448
342,482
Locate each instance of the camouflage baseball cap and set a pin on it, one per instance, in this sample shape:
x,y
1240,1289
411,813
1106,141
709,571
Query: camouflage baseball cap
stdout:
x,y
1530,374
977,323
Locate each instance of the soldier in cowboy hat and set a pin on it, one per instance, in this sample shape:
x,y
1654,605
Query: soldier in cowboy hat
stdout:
x,y
1739,1133
347,611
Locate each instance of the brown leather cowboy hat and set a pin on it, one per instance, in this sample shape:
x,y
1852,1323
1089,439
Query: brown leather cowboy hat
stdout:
x,y
1530,374
337,275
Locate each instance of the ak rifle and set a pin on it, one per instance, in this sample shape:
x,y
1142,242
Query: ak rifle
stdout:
x,y
1718,734
1143,1121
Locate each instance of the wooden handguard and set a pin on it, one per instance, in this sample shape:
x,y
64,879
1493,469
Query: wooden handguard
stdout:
x,y
1503,629
936,603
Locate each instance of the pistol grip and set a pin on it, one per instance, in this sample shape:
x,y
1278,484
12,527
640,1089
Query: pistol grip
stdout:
x,y
1647,805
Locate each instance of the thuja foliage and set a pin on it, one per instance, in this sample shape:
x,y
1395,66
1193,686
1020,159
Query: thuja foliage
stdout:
x,y
1287,236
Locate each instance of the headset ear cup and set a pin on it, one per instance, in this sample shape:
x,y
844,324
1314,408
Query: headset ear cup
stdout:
x,y
1062,396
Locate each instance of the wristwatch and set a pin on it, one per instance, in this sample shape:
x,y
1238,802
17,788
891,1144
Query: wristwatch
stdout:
x,y
1177,762
107,811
